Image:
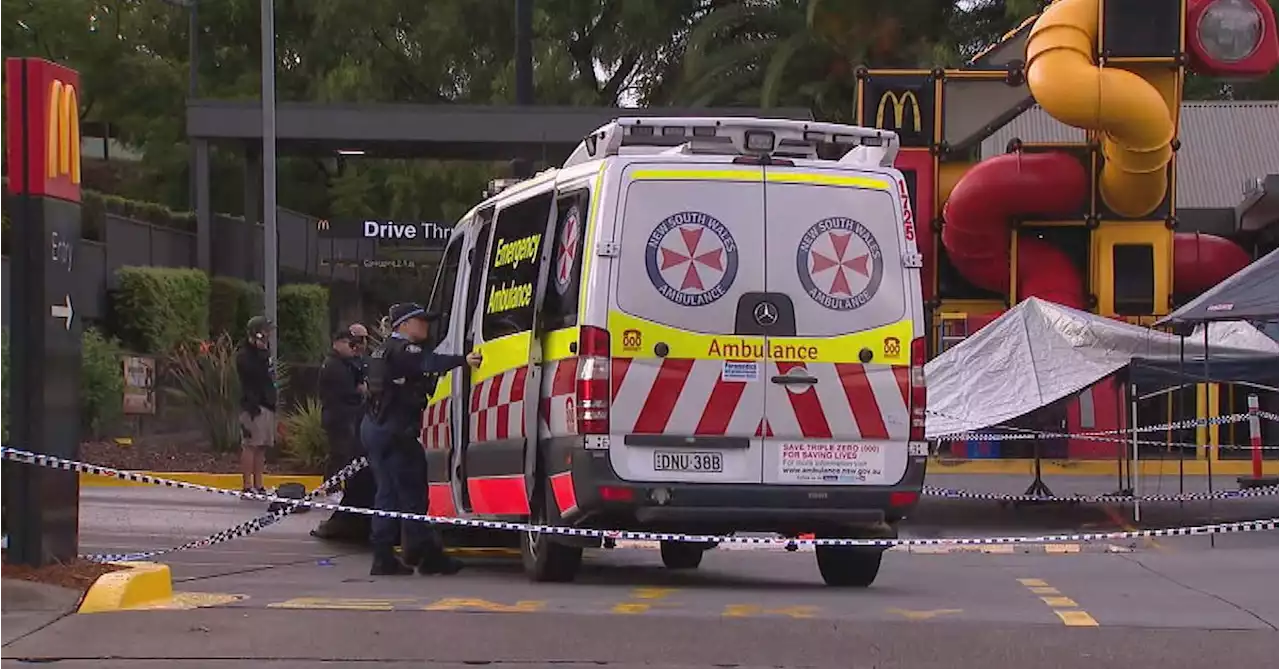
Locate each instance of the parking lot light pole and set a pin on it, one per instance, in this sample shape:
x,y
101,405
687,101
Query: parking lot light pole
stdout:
x,y
270,239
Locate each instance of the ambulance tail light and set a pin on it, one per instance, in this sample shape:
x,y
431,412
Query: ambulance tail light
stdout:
x,y
918,394
593,388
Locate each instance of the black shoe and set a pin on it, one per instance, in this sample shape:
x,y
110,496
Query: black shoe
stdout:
x,y
441,564
386,564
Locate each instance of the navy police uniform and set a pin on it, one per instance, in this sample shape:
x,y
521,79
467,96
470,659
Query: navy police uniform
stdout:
x,y
400,380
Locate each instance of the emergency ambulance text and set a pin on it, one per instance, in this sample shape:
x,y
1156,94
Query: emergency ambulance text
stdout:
x,y
516,251
505,298
745,350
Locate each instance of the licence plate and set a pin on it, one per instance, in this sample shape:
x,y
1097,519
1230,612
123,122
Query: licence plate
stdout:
x,y
688,461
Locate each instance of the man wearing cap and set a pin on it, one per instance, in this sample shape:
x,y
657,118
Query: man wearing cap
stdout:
x,y
257,402
398,382
342,390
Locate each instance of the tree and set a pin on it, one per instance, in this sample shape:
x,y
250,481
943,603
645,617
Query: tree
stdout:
x,y
804,52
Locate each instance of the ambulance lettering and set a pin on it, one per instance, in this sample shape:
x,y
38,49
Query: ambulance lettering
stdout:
x,y
741,349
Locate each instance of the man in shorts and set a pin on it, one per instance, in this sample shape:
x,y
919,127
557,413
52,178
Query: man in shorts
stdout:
x,y
257,402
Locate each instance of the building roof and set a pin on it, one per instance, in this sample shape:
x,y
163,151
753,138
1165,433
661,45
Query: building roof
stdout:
x,y
1226,146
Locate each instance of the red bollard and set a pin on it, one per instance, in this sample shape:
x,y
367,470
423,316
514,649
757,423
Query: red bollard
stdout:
x,y
1257,480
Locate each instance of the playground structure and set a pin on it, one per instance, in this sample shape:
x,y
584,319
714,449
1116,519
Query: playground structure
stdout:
x,y
1090,225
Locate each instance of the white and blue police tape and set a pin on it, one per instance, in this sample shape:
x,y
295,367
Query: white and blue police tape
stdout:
x,y
952,493
72,465
1023,434
244,529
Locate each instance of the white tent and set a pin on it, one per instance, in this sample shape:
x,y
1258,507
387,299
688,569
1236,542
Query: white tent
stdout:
x,y
1039,352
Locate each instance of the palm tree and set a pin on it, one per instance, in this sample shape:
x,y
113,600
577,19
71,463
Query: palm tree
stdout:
x,y
771,53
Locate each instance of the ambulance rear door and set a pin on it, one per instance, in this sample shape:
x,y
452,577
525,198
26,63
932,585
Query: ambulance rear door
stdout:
x,y
688,398
838,317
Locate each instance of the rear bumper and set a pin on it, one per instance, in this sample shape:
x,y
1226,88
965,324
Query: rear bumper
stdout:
x,y
603,500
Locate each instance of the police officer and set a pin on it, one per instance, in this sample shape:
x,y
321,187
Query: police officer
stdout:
x,y
398,382
342,386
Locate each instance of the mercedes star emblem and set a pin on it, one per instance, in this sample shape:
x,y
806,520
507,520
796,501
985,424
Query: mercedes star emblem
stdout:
x,y
766,314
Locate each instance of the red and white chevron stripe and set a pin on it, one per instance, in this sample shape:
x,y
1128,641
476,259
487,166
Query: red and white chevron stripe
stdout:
x,y
556,415
690,397
435,426
849,401
497,406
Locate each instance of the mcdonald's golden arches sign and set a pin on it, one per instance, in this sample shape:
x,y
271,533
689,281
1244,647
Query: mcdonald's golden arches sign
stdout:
x,y
901,102
43,126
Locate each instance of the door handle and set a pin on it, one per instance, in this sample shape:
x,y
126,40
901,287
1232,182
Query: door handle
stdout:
x,y
787,379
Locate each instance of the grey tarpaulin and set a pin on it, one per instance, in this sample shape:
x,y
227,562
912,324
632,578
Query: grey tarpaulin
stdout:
x,y
1039,352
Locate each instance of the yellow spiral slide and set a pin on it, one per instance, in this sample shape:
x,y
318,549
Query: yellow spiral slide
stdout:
x,y
1131,115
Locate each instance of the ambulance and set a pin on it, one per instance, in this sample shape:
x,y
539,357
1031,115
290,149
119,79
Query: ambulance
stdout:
x,y
695,326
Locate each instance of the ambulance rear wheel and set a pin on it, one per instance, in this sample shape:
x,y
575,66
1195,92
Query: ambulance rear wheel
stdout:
x,y
849,566
681,554
544,559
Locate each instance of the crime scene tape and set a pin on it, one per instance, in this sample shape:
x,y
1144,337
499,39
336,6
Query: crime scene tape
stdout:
x,y
1024,434
1269,416
1176,425
952,493
41,460
243,529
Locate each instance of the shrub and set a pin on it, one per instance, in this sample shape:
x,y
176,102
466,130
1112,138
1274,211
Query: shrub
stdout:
x,y
101,382
159,308
303,439
95,206
304,322
203,376
232,302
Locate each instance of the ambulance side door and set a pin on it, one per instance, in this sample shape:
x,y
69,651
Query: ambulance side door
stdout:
x,y
437,419
494,459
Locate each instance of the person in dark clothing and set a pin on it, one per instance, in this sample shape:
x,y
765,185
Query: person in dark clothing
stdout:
x,y
257,402
399,379
342,391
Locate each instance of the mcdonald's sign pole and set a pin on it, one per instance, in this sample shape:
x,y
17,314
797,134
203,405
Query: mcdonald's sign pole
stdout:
x,y
43,155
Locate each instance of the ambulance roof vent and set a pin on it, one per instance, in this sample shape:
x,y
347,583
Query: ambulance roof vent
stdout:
x,y
846,144
498,185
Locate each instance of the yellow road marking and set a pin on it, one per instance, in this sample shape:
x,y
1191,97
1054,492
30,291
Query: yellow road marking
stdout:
x,y
1076,619
629,608
924,615
461,604
338,603
748,610
1065,608
652,593
1062,548
185,601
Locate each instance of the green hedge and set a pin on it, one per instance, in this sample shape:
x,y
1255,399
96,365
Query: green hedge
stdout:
x,y
158,308
303,310
101,382
232,302
94,209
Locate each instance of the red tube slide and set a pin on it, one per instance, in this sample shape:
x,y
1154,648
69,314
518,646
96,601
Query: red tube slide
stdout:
x,y
1001,188
1202,261
995,191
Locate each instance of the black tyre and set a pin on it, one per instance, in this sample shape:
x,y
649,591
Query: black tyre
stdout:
x,y
849,566
681,554
545,560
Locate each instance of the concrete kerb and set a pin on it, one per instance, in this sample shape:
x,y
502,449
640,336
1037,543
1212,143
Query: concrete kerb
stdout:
x,y
224,481
936,466
140,583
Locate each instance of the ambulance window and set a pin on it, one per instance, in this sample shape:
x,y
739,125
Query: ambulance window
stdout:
x,y
690,249
837,251
477,256
441,301
560,308
513,267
